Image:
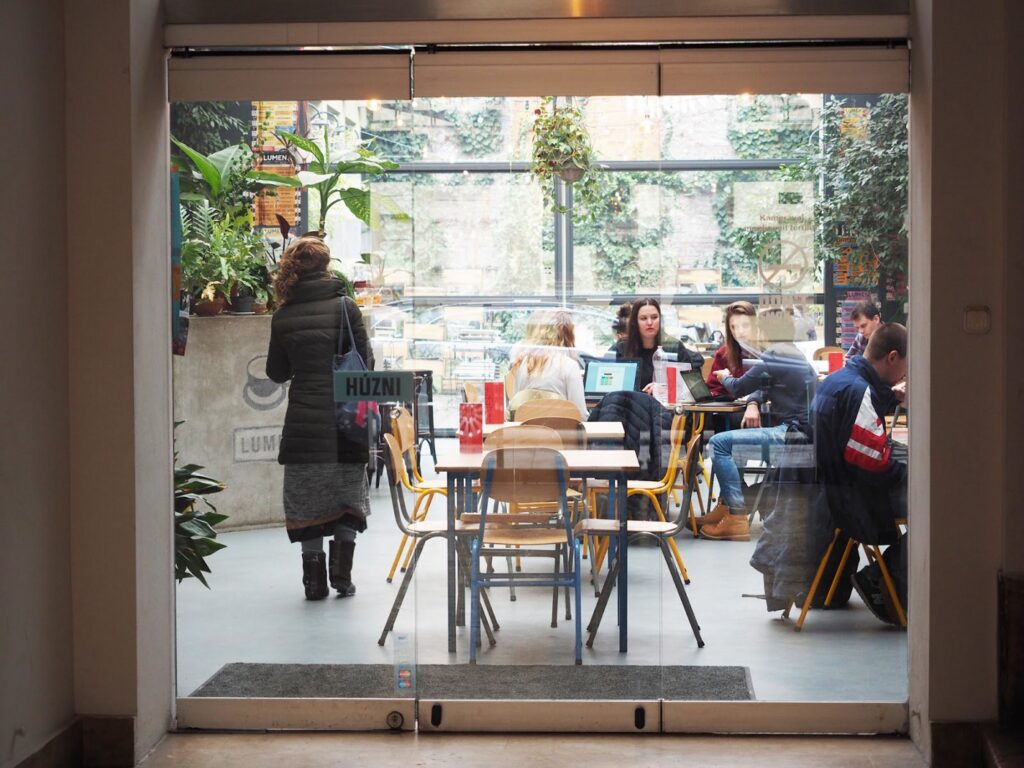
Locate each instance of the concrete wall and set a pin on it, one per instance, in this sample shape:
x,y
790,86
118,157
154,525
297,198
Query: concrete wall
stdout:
x,y
233,415
35,583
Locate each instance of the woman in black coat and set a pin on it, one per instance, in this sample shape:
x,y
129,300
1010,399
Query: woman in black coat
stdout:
x,y
326,492
643,337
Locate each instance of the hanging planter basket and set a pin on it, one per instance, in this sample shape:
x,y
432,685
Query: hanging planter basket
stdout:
x,y
561,147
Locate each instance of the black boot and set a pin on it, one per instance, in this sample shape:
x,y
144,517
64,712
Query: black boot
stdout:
x,y
314,575
341,567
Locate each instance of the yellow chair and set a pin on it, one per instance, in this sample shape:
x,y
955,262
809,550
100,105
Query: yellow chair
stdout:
x,y
874,554
470,392
421,531
424,490
650,489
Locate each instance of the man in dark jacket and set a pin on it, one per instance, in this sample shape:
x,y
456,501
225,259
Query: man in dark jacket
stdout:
x,y
865,486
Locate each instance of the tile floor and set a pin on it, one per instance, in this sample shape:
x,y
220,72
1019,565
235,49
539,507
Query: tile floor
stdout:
x,y
255,611
312,750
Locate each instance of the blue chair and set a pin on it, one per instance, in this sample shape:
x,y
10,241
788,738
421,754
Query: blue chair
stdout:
x,y
518,478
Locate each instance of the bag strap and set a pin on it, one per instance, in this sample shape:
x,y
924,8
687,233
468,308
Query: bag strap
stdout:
x,y
344,324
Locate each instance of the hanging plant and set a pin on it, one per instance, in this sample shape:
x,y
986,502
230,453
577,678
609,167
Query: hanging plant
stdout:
x,y
561,147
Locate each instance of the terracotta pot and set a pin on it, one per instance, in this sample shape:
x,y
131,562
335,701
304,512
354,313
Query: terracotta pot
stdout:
x,y
260,307
205,308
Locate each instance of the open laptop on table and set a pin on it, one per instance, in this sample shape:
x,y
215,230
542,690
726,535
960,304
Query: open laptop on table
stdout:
x,y
604,376
694,381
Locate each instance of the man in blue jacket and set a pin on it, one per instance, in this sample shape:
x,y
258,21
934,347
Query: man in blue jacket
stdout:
x,y
865,486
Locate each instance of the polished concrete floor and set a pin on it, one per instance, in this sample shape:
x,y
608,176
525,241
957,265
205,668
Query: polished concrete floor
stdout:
x,y
255,612
500,751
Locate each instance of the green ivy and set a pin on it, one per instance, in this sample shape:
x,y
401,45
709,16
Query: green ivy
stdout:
x,y
480,132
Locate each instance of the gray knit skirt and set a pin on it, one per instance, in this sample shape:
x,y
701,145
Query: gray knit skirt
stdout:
x,y
319,497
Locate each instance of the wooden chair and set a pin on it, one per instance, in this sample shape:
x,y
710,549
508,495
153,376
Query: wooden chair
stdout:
x,y
570,430
705,369
421,531
470,392
652,489
524,396
525,476
823,353
662,532
556,406
874,554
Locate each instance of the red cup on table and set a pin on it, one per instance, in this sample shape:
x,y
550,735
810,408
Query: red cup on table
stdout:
x,y
835,361
494,402
471,428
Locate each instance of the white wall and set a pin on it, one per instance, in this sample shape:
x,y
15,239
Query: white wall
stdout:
x,y
960,257
35,587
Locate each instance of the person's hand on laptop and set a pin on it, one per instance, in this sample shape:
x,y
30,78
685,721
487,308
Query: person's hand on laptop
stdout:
x,y
649,389
722,373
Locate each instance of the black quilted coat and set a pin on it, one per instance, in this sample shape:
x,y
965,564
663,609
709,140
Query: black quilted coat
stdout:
x,y
640,416
303,342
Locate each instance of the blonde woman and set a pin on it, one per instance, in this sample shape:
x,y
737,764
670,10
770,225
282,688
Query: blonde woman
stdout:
x,y
547,359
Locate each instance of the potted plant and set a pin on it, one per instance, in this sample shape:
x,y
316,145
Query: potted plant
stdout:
x,y
561,148
195,519
325,177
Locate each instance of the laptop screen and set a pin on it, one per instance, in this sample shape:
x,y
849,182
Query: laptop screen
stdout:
x,y
605,376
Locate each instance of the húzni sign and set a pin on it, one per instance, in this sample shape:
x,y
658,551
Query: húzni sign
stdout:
x,y
376,386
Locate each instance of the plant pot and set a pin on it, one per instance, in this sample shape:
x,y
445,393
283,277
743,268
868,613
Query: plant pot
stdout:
x,y
242,305
205,308
570,173
260,307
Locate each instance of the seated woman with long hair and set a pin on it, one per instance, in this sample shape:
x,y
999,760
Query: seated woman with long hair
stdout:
x,y
547,359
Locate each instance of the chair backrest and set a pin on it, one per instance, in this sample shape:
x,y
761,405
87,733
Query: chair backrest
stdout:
x,y
517,400
822,354
533,409
691,466
396,471
470,392
525,475
705,367
522,435
404,429
675,447
571,431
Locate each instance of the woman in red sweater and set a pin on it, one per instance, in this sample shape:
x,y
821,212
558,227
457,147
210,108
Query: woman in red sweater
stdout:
x,y
739,320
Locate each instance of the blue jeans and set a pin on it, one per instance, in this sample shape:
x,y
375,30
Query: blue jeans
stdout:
x,y
725,467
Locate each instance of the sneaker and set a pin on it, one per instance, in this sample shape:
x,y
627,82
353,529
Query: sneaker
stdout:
x,y
875,597
729,528
716,515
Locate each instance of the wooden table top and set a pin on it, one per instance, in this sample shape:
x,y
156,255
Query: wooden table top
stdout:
x,y
594,430
577,461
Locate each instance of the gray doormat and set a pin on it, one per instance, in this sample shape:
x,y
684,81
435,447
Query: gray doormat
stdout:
x,y
484,681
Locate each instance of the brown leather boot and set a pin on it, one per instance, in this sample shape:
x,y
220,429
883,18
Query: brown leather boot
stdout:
x,y
716,515
729,528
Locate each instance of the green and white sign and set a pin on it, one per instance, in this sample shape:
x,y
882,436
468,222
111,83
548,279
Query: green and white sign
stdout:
x,y
376,386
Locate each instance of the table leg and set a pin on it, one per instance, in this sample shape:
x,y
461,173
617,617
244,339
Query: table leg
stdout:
x,y
623,517
450,536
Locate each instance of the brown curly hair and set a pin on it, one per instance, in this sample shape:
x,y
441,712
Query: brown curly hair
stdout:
x,y
307,255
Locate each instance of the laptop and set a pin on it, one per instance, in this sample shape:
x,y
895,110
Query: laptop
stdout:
x,y
604,376
694,382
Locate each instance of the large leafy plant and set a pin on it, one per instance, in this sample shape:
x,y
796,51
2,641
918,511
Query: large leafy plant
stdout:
x,y
218,256
864,170
227,181
195,520
325,176
561,148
